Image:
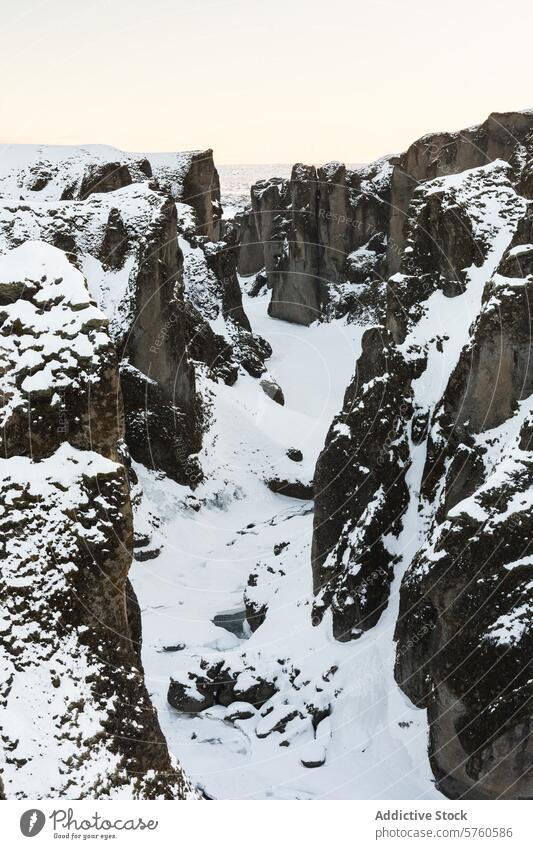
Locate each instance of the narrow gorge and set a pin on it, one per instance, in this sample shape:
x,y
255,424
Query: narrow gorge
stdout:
x,y
267,474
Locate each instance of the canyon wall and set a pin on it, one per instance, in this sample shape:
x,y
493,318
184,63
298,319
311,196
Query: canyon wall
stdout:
x,y
77,721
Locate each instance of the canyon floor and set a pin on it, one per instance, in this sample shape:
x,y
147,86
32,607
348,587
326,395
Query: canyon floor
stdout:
x,y
375,741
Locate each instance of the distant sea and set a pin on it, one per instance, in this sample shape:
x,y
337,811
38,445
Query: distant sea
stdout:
x,y
236,181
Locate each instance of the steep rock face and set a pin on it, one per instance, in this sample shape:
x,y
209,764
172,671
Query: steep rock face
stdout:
x,y
432,444
360,480
297,291
472,578
320,237
327,238
77,719
127,240
360,490
201,190
220,335
104,178
257,248
126,243
192,179
501,136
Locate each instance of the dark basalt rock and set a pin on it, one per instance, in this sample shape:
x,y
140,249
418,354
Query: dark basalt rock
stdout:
x,y
107,177
216,685
464,634
360,490
201,190
115,245
297,291
304,232
40,182
273,390
442,154
158,433
313,764
66,541
255,611
291,488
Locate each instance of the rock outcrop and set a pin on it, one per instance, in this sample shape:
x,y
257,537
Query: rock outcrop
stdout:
x,y
432,444
77,721
192,179
501,136
142,232
319,236
471,580
328,237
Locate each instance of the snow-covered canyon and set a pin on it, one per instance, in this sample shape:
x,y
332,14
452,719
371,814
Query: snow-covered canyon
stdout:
x,y
267,474
374,742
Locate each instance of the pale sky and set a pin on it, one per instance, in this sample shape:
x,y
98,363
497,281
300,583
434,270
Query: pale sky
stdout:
x,y
259,80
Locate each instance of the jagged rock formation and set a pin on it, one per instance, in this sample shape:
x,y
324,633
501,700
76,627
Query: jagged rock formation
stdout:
x,y
501,136
431,251
432,444
77,721
319,236
328,237
425,474
360,490
192,179
472,578
164,307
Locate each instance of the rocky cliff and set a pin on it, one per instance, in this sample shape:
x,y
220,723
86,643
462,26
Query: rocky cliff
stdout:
x,y
119,218
420,538
414,524
430,451
77,721
319,236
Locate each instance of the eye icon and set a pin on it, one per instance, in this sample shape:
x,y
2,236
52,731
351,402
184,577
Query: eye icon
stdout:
x,y
32,822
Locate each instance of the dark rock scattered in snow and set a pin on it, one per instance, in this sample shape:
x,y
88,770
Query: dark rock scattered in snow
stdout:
x,y
273,390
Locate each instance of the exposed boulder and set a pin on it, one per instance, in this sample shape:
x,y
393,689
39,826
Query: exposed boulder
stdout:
x,y
291,488
218,684
273,390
